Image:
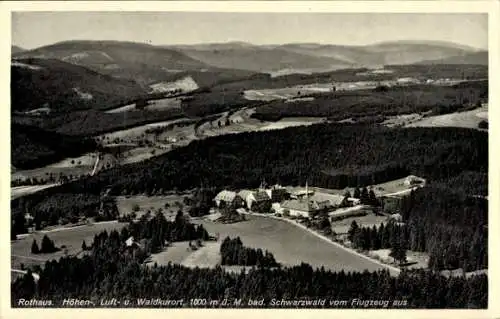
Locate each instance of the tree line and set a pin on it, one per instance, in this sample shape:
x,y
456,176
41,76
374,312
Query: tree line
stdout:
x,y
159,231
109,272
329,156
451,228
374,103
234,253
59,209
34,147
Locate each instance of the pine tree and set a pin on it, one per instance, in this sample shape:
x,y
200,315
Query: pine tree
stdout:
x,y
365,198
357,193
84,246
34,247
352,230
398,252
47,245
373,198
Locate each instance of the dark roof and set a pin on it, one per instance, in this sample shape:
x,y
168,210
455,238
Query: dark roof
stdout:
x,y
261,196
299,205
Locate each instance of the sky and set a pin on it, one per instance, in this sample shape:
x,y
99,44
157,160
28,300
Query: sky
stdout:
x,y
35,29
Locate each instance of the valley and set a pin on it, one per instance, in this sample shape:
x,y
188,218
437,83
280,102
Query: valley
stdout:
x,y
275,170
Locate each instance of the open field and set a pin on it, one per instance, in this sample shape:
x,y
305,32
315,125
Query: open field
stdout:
x,y
207,256
241,121
72,238
402,120
70,168
468,119
175,254
19,191
122,109
136,133
290,92
84,160
186,84
139,154
291,122
153,105
44,172
300,90
290,244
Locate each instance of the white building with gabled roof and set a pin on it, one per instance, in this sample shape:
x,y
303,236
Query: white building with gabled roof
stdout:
x,y
225,196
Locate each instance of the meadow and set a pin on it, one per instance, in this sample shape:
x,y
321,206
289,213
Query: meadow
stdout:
x,y
466,119
289,244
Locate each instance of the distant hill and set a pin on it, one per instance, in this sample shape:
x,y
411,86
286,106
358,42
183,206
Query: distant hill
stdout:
x,y
408,52
16,49
259,59
142,62
320,57
147,64
57,85
476,58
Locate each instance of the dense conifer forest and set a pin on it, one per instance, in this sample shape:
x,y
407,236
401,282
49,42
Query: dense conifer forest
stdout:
x,y
329,156
380,102
449,226
33,147
234,253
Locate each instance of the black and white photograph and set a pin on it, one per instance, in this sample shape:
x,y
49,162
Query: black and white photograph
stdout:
x,y
258,160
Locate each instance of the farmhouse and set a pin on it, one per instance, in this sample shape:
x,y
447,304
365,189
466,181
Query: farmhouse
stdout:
x,y
132,243
279,194
247,196
305,202
260,196
414,181
225,197
299,207
331,199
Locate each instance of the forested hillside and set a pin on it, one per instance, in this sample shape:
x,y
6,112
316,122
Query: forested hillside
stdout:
x,y
449,226
32,147
90,123
329,156
57,85
381,101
